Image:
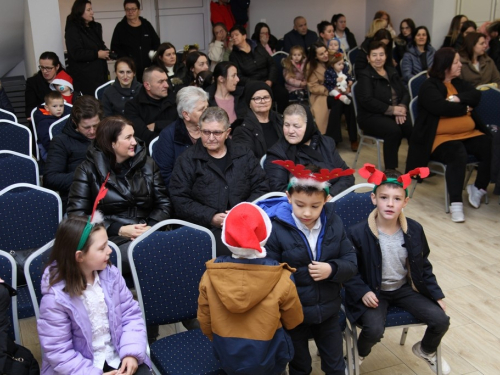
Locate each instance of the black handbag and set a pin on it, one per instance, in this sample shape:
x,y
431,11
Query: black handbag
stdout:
x,y
16,359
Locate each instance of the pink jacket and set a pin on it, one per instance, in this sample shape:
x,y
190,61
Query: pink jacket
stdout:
x,y
65,330
293,79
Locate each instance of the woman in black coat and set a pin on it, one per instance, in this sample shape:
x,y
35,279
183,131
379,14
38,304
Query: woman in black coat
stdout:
x,y
383,36
87,53
447,130
261,128
137,198
303,144
383,100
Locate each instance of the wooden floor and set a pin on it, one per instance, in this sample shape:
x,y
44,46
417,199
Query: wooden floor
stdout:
x,y
466,260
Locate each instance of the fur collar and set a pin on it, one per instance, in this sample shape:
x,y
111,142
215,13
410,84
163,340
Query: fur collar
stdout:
x,y
372,224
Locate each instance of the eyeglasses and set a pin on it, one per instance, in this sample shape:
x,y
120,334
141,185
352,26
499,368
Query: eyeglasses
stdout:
x,y
264,33
131,10
46,68
216,134
261,99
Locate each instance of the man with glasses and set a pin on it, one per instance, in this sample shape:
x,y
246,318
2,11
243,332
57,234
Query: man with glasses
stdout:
x,y
135,37
214,175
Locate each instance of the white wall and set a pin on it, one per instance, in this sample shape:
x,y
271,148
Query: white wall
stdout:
x,y
11,37
279,14
444,11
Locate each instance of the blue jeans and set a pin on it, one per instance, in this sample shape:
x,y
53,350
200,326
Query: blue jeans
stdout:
x,y
421,307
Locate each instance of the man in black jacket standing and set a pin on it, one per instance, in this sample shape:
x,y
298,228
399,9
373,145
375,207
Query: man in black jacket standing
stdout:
x,y
134,37
68,149
153,108
299,36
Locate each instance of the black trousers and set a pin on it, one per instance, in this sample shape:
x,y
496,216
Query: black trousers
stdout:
x,y
280,95
385,127
455,154
337,109
421,307
328,338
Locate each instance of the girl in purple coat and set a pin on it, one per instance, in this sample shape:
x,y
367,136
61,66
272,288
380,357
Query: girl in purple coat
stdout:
x,y
89,322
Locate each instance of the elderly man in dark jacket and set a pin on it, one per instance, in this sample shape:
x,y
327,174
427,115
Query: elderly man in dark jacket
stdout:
x,y
67,150
213,176
153,108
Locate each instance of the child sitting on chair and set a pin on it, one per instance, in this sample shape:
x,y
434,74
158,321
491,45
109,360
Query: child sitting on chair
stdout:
x,y
308,235
45,116
394,269
246,299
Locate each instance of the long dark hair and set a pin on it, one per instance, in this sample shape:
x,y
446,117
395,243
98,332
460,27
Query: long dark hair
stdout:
x,y
443,60
311,58
63,252
381,35
77,11
222,69
107,133
256,35
414,35
411,25
159,54
48,55
469,43
335,18
191,59
454,29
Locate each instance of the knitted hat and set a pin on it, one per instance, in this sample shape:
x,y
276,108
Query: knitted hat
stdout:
x,y
245,231
252,87
62,79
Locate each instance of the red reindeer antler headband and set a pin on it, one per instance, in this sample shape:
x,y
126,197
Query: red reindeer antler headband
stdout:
x,y
303,176
374,176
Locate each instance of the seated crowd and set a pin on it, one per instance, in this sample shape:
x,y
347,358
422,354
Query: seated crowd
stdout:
x,y
222,132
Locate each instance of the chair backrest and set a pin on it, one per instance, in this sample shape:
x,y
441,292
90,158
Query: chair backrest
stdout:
x,y
151,148
35,135
8,271
278,57
415,83
355,106
488,106
100,90
352,54
272,194
35,266
29,216
6,115
263,160
414,110
16,168
167,269
15,137
57,127
351,206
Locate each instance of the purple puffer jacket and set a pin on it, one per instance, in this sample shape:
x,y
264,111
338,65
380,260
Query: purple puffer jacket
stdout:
x,y
66,334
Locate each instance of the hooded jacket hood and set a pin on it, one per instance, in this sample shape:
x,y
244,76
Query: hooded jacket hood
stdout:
x,y
240,287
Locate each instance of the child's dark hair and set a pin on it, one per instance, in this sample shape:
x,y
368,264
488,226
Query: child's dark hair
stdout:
x,y
308,189
53,95
392,173
63,253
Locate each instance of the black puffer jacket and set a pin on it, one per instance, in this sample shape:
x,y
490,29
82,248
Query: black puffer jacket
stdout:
x,y
136,195
374,93
66,152
135,42
144,110
249,133
84,65
279,176
256,65
199,190
240,107
320,299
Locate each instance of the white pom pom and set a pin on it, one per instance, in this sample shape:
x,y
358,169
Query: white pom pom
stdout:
x,y
151,54
98,217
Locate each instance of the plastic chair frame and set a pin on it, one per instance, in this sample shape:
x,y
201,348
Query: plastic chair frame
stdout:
x,y
151,146
272,194
134,272
15,319
14,117
102,87
53,125
24,128
8,152
363,137
413,79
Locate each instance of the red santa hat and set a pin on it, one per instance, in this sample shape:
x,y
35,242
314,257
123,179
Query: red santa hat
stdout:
x,y
246,230
62,79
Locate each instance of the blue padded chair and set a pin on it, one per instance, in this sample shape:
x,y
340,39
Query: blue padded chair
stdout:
x,y
167,268
6,115
16,167
8,272
278,57
29,217
352,207
352,54
363,138
415,82
15,137
57,127
100,90
35,266
488,106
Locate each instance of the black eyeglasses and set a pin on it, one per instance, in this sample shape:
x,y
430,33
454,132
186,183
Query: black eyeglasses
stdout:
x,y
216,134
261,99
131,10
46,68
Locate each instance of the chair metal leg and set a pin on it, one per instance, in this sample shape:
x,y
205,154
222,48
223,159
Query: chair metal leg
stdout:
x,y
439,368
412,190
349,351
446,196
378,155
355,348
403,336
361,140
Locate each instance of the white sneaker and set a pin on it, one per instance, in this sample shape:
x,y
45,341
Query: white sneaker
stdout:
x,y
475,195
431,359
361,359
457,212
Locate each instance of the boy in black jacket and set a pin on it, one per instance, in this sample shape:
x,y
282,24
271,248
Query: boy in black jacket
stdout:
x,y
394,269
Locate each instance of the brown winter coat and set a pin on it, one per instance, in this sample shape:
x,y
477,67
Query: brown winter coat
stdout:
x,y
318,96
488,72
